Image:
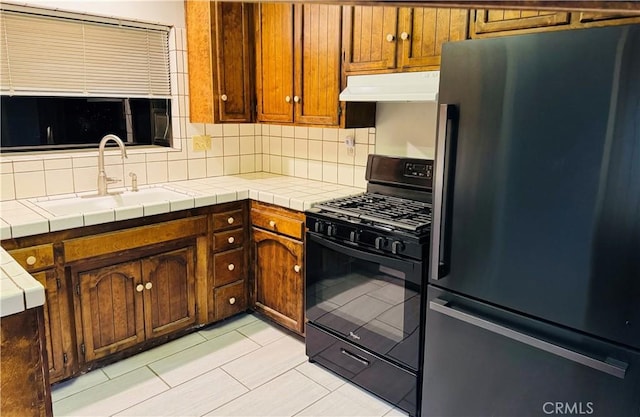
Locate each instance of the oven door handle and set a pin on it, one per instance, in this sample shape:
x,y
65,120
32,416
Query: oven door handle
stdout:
x,y
408,267
443,192
609,365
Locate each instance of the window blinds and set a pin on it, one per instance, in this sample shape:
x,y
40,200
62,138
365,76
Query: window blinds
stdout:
x,y
58,56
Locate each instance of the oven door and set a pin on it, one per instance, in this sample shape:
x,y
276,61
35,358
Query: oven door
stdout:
x,y
371,300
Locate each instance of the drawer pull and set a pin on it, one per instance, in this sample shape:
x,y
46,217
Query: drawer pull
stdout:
x,y
139,287
272,223
355,357
231,239
232,300
231,267
148,285
31,260
230,220
296,268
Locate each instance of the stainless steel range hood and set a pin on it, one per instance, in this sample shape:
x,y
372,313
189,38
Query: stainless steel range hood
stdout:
x,y
404,86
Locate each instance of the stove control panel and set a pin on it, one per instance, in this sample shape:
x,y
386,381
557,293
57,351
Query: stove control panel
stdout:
x,y
416,169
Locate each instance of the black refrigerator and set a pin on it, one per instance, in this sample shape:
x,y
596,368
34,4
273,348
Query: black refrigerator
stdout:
x,y
533,303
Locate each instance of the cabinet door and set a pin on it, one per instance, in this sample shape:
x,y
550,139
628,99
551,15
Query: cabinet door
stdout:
x,y
504,22
278,268
369,38
111,302
199,58
274,62
53,324
423,31
169,291
317,60
233,45
588,19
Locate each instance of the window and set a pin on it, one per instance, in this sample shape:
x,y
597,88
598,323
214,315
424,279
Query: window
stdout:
x,y
67,80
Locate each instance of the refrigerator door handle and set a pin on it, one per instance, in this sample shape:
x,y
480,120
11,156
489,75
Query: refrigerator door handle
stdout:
x,y
609,365
443,191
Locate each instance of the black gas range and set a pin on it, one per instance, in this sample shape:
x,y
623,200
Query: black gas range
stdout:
x,y
366,263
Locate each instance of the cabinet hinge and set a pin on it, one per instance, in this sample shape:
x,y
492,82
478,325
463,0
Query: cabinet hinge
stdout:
x,y
65,358
78,289
82,348
339,110
58,284
196,312
344,56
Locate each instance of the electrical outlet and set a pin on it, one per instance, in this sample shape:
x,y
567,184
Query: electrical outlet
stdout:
x,y
201,143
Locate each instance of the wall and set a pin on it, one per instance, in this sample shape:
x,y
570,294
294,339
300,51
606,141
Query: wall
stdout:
x,y
313,153
406,129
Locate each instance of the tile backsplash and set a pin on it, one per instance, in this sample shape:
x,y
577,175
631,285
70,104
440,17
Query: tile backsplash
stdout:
x,y
304,152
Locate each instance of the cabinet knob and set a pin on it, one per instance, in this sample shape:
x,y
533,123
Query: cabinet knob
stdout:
x,y
287,99
230,220
297,99
223,97
231,267
139,287
31,260
148,285
404,36
231,239
296,268
232,300
390,37
272,223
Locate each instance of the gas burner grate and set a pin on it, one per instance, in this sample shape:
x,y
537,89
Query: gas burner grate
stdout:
x,y
387,210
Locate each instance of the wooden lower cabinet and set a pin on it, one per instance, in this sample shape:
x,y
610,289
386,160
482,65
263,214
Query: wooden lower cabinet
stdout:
x,y
278,281
125,304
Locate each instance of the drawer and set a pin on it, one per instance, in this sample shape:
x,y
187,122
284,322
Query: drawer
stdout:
x,y
274,221
35,257
230,299
227,240
228,267
227,220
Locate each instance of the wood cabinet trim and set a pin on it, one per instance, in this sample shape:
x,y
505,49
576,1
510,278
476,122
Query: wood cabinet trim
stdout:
x,y
34,258
137,237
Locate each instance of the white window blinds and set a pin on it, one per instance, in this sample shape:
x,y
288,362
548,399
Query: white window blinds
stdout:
x,y
59,56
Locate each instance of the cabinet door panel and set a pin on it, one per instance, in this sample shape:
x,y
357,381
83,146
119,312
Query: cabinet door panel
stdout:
x,y
234,61
112,310
52,324
317,64
365,32
503,21
427,29
278,278
274,62
170,299
198,20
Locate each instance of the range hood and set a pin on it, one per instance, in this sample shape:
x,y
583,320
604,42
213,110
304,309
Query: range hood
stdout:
x,y
402,86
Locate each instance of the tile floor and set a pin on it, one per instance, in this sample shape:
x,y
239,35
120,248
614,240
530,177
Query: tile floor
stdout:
x,y
244,366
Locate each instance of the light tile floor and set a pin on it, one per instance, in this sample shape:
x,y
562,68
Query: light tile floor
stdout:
x,y
244,366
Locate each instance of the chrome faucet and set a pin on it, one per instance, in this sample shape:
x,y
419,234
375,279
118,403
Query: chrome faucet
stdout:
x,y
103,180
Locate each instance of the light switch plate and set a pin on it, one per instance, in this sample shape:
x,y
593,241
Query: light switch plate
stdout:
x,y
201,142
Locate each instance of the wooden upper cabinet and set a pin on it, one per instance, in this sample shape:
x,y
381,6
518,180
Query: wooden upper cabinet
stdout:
x,y
389,39
274,62
298,63
423,31
370,38
502,22
219,57
317,68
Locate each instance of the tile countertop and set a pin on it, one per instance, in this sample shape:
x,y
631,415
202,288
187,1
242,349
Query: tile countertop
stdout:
x,y
18,218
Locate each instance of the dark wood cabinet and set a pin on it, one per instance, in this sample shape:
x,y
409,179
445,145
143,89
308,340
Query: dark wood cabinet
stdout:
x,y
298,68
389,39
277,288
219,47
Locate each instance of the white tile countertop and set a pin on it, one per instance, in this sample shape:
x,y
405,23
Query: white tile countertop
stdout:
x,y
19,218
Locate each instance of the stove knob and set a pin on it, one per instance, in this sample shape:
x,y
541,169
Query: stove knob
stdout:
x,y
331,230
396,247
353,236
318,227
380,242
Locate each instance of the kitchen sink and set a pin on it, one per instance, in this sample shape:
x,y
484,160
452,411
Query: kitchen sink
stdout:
x,y
89,203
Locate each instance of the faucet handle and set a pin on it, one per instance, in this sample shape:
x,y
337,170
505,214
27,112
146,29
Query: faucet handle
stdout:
x,y
112,180
134,181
